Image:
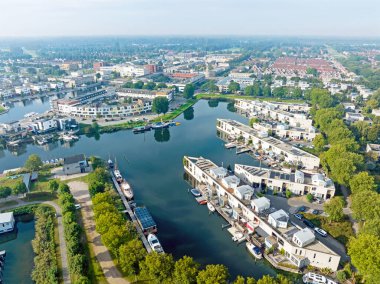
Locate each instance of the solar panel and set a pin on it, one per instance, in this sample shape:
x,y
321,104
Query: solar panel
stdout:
x,y
144,217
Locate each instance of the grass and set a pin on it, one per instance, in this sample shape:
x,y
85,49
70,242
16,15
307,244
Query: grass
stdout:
x,y
40,196
172,115
232,97
341,231
8,182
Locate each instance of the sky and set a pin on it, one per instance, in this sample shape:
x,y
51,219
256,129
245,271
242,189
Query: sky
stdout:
x,y
343,18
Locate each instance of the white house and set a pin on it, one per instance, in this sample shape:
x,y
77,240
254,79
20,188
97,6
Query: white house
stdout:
x,y
75,165
7,222
231,182
278,219
303,237
244,192
260,204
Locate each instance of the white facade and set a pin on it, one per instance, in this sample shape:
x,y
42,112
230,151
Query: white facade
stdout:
x,y
278,219
45,125
145,94
7,222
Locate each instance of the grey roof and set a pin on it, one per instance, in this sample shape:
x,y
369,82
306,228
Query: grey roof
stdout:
x,y
305,235
74,159
280,215
6,217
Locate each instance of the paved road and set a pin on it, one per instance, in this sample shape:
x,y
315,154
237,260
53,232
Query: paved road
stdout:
x,y
62,241
290,206
82,196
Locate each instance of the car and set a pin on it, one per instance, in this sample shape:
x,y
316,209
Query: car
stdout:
x,y
320,232
315,212
302,209
298,216
77,206
308,223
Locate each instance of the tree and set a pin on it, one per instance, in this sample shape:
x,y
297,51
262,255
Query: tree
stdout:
x,y
104,220
309,197
114,237
185,270
362,182
371,226
253,120
5,191
53,185
251,280
334,209
364,253
188,91
19,188
157,267
160,105
239,280
33,163
213,274
233,87
319,142
130,255
128,85
138,85
281,279
266,279
321,98
149,86
312,71
288,193
96,187
161,86
366,205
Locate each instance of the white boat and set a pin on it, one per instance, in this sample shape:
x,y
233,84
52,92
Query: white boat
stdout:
x,y
238,236
254,250
127,190
313,278
230,145
118,176
210,207
155,243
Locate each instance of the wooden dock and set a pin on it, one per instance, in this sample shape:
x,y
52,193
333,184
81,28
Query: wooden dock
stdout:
x,y
131,214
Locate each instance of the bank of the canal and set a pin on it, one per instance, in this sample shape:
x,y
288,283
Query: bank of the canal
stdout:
x,y
152,163
19,260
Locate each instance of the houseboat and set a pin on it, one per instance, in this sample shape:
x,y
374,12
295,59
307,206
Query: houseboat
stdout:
x,y
160,125
126,189
210,207
145,220
141,129
155,243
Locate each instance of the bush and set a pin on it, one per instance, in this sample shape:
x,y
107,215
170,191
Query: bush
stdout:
x,y
341,275
288,193
309,197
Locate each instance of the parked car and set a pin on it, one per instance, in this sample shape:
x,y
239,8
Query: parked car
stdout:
x,y
308,223
77,206
302,209
320,232
316,212
298,216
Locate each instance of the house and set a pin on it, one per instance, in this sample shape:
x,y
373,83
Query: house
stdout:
x,y
260,204
376,112
374,149
279,219
75,165
231,182
303,237
244,192
352,117
7,222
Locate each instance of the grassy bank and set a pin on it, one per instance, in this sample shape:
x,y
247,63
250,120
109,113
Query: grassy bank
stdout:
x,y
233,97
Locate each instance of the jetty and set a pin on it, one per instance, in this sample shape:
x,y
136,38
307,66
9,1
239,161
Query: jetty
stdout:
x,y
131,214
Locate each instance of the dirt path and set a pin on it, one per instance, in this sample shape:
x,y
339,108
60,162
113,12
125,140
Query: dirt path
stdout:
x,y
81,194
62,241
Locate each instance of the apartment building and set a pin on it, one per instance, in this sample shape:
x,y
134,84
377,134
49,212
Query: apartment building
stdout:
x,y
300,246
299,182
286,131
145,94
261,141
292,114
242,81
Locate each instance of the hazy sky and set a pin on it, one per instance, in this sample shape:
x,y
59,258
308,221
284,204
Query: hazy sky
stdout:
x,y
190,17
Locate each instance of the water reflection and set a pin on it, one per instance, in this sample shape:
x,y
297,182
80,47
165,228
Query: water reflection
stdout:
x,y
213,103
231,107
189,113
162,135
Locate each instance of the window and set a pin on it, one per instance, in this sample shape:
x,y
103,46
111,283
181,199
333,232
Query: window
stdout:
x,y
330,259
300,252
315,255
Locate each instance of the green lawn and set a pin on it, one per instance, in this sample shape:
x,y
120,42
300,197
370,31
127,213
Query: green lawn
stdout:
x,y
40,196
9,182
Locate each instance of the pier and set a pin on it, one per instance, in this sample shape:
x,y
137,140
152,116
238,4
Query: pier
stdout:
x,y
131,215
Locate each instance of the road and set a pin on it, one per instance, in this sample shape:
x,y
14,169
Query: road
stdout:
x,y
81,194
291,205
62,241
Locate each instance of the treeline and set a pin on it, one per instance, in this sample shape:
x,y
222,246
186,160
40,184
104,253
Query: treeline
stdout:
x,y
77,259
340,156
121,238
45,262
146,86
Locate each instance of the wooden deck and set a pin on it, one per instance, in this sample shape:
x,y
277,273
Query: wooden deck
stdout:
x,y
131,215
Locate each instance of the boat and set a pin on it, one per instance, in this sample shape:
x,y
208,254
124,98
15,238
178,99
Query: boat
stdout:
x,y
313,278
126,189
238,236
160,125
230,145
195,192
118,175
30,114
139,129
210,207
155,243
110,163
69,137
254,250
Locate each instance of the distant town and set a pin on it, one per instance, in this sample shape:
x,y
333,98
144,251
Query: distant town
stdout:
x,y
280,139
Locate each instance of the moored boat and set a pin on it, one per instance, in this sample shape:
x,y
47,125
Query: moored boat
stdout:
x,y
313,278
155,243
210,207
126,189
118,176
160,125
254,250
141,129
110,163
195,192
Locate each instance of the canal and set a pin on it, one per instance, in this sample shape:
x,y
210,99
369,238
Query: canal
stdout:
x,y
152,164
19,260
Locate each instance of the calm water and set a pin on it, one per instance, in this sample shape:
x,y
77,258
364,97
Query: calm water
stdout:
x,y
152,163
19,260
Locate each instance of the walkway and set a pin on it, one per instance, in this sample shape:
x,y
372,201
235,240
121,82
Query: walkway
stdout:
x,y
81,194
347,210
62,241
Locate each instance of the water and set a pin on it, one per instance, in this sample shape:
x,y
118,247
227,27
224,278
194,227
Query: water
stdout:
x,y
19,109
152,163
19,260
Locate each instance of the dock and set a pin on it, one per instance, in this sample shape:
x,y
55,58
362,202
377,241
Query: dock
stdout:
x,y
131,214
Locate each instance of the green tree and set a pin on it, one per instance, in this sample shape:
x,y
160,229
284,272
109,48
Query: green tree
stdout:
x,y
114,237
96,187
149,86
188,91
312,71
130,255
253,120
104,220
138,85
233,87
362,182
19,188
319,142
266,279
161,86
251,280
371,226
213,274
334,209
309,197
185,270
33,163
5,191
157,267
366,205
160,105
128,85
53,185
364,253
239,280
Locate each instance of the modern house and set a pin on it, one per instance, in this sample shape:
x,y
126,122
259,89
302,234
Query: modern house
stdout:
x,y
7,222
75,165
279,219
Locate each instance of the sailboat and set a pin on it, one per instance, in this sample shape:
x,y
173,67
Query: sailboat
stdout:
x,y
117,173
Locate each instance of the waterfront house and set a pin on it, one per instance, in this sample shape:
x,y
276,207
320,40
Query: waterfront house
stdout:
x,y
75,165
303,237
244,192
7,222
279,219
260,204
